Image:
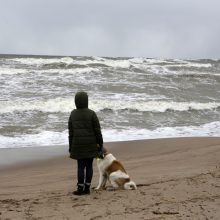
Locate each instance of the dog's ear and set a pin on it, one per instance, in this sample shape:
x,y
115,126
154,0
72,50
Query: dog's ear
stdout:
x,y
104,150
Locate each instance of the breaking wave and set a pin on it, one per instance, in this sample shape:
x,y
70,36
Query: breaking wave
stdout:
x,y
111,62
50,138
66,105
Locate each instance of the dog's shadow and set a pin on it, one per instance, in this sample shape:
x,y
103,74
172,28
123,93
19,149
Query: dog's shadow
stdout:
x,y
107,188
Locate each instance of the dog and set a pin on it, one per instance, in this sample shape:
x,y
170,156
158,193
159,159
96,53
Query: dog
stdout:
x,y
112,170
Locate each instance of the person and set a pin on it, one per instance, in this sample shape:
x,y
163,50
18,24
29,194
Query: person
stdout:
x,y
85,141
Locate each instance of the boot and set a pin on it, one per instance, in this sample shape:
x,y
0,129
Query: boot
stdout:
x,y
80,190
87,188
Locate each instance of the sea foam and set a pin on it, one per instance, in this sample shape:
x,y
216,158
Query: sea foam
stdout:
x,y
49,138
67,104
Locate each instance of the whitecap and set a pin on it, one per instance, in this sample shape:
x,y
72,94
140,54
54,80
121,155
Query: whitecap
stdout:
x,y
67,104
49,138
12,71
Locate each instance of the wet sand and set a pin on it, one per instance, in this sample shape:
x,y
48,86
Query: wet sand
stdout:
x,y
177,178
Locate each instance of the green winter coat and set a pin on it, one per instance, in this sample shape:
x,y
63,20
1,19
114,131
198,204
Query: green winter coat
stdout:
x,y
85,137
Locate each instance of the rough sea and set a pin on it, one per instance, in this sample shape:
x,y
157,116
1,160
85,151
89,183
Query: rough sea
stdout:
x,y
134,98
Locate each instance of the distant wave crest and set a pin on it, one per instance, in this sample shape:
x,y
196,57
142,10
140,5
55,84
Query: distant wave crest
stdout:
x,y
150,65
84,65
66,105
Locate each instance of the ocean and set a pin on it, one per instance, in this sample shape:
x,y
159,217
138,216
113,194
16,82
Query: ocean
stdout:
x,y
134,98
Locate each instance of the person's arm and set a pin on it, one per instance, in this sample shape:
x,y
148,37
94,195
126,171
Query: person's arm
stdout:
x,y
97,128
70,128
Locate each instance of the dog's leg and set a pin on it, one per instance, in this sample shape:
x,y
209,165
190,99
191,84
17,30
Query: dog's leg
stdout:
x,y
101,180
114,184
104,181
112,179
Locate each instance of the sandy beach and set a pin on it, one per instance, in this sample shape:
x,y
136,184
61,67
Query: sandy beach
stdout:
x,y
177,178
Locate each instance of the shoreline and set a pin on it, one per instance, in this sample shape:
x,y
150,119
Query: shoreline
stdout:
x,y
14,157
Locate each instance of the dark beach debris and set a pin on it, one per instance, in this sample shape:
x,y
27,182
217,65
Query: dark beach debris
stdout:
x,y
36,202
141,185
96,217
77,205
157,212
10,201
25,200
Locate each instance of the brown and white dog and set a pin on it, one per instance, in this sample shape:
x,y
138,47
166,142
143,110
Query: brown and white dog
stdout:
x,y
112,170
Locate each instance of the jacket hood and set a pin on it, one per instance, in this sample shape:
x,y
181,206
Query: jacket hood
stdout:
x,y
81,100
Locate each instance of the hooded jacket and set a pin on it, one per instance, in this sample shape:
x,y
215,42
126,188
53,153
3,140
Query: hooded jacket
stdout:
x,y
85,137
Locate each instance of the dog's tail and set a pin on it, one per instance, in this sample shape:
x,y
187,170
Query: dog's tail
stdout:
x,y
130,185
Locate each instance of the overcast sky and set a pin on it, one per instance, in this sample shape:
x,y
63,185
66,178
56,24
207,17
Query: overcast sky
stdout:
x,y
134,28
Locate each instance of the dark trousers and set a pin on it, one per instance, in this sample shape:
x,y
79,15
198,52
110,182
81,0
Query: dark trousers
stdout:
x,y
85,171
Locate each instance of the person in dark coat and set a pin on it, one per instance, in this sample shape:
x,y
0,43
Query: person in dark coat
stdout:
x,y
85,141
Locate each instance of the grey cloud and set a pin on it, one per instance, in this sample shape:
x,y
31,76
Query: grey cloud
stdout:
x,y
155,28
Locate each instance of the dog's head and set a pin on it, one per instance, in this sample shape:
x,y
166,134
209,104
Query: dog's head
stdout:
x,y
102,154
105,151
